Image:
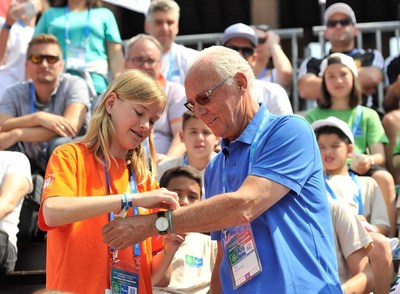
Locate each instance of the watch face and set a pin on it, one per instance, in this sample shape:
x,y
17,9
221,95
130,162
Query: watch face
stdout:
x,y
161,224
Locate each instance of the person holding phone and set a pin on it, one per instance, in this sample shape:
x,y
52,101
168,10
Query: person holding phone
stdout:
x,y
271,64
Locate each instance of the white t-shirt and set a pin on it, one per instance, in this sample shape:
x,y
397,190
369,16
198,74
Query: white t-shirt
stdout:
x,y
176,98
13,69
13,163
273,96
176,61
192,266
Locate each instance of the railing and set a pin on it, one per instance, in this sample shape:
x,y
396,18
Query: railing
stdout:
x,y
202,40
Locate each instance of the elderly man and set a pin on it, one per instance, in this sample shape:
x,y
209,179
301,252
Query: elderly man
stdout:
x,y
144,52
49,110
242,38
162,22
267,205
341,31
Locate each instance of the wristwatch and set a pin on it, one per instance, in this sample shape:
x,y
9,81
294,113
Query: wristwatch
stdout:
x,y
161,223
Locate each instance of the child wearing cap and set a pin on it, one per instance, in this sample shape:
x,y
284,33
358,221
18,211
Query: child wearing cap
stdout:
x,y
341,98
362,194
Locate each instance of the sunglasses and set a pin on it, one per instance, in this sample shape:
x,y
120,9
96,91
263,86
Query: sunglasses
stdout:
x,y
205,97
245,51
38,59
261,40
343,22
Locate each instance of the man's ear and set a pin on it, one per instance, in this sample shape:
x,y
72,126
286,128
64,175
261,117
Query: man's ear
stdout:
x,y
110,102
241,81
181,136
350,150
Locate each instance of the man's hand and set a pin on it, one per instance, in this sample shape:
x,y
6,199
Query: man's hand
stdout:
x,y
56,123
124,232
8,139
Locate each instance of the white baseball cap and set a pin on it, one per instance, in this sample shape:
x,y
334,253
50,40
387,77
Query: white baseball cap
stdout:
x,y
240,30
339,8
334,122
338,58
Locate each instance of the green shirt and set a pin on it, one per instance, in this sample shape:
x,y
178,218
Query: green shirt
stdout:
x,y
369,130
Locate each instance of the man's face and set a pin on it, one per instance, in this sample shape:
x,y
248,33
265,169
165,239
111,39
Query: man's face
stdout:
x,y
223,114
244,47
340,30
144,55
164,26
40,65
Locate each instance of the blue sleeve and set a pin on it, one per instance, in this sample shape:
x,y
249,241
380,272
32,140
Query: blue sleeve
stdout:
x,y
288,153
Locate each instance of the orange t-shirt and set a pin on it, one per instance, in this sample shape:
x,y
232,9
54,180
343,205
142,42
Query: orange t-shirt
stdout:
x,y
77,259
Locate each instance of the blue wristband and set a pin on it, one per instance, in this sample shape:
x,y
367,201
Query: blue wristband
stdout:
x,y
170,220
7,26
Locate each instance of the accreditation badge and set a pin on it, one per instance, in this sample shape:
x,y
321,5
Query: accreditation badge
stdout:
x,y
241,250
76,58
124,277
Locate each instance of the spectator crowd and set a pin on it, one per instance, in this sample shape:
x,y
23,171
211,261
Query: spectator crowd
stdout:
x,y
172,170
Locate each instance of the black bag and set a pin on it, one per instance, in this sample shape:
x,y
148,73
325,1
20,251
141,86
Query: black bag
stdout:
x,y
28,219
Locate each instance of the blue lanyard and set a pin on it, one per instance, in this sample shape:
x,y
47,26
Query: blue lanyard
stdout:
x,y
32,97
252,152
133,188
185,160
357,120
356,197
171,71
66,32
262,74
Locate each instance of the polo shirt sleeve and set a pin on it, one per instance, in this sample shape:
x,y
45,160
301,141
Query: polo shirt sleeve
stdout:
x,y
287,153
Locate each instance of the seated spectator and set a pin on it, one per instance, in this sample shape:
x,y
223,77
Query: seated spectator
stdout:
x,y
272,64
15,34
162,22
144,52
352,244
341,96
46,111
200,143
15,183
341,30
243,39
90,40
391,120
191,268
336,141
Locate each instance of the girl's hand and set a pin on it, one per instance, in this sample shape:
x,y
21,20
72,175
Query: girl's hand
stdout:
x,y
160,198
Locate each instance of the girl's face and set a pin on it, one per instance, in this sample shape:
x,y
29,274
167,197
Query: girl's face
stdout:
x,y
334,152
132,122
339,80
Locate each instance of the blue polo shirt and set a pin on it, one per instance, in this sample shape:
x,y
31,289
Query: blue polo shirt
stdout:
x,y
294,237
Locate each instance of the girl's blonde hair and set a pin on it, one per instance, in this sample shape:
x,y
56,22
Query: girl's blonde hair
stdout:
x,y
131,85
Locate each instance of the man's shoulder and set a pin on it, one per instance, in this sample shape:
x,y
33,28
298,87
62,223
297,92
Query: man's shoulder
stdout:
x,y
17,89
184,50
